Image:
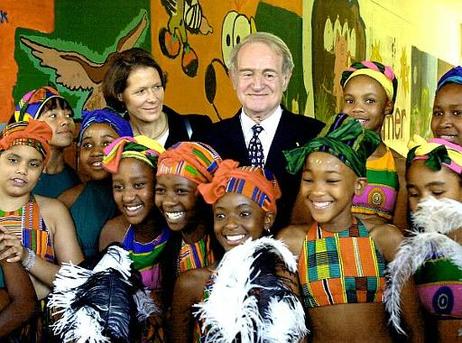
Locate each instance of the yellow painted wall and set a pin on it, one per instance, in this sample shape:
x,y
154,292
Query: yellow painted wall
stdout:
x,y
432,26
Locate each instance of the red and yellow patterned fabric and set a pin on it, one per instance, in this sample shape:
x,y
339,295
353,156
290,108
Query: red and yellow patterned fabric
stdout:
x,y
340,268
194,161
258,184
196,255
27,224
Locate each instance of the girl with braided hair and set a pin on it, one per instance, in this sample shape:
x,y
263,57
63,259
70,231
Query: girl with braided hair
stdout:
x,y
341,257
433,253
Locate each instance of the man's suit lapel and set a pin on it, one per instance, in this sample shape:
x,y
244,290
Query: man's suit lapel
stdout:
x,y
282,140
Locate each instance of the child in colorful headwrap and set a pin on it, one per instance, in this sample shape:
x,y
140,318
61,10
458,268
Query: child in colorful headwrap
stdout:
x,y
140,228
91,203
181,169
446,119
433,254
342,258
238,298
369,94
35,230
46,104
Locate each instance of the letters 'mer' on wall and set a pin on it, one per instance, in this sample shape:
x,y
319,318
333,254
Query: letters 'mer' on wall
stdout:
x,y
70,45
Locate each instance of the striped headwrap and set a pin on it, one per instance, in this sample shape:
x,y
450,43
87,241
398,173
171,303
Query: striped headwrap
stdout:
x,y
347,140
33,133
255,183
436,152
31,104
452,76
381,73
140,147
105,116
195,161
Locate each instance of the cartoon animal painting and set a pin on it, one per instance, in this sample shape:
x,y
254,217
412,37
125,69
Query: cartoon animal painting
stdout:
x,y
276,17
404,72
236,26
185,16
75,71
338,37
342,61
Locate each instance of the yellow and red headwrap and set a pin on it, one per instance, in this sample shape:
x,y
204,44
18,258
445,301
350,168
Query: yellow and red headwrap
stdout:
x,y
195,161
33,133
255,183
140,147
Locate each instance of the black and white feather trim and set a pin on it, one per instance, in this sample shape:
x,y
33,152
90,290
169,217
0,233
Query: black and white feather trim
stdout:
x,y
93,305
436,218
249,299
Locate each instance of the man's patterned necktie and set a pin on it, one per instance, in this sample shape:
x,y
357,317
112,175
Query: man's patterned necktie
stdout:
x,y
256,156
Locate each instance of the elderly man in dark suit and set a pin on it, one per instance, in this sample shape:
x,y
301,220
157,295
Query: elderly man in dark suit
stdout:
x,y
260,68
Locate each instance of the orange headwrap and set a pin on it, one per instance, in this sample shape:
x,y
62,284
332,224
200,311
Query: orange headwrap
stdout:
x,y
256,183
32,133
195,161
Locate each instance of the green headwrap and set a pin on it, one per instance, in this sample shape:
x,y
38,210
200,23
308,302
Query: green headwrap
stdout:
x,y
350,142
436,152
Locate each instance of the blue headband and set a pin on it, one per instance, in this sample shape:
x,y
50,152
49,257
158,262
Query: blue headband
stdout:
x,y
105,116
452,76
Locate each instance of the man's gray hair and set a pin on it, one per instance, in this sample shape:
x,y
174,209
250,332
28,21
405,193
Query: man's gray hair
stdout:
x,y
272,41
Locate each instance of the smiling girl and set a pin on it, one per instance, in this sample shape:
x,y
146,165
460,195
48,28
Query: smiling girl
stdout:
x,y
244,206
369,93
91,203
139,228
447,107
180,170
46,104
342,258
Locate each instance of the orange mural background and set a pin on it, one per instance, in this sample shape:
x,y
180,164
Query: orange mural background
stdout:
x,y
37,15
208,48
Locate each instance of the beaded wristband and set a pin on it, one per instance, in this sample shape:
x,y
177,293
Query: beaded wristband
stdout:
x,y
29,261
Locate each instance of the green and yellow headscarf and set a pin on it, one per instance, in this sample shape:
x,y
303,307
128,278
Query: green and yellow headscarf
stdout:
x,y
347,140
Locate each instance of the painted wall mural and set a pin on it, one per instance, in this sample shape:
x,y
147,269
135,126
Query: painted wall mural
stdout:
x,y
338,37
76,53
70,44
15,15
76,71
